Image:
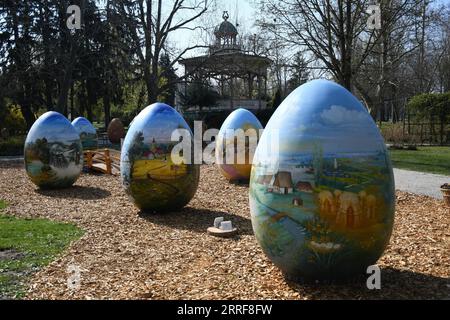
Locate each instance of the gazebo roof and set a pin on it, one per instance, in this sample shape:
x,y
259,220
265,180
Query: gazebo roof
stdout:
x,y
226,57
228,62
226,29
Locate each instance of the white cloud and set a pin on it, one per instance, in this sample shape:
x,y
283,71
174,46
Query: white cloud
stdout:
x,y
341,115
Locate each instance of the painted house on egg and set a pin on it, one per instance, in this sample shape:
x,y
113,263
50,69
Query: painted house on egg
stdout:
x,y
282,182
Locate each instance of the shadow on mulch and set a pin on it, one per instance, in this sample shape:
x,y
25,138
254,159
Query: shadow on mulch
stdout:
x,y
239,183
395,284
76,192
197,220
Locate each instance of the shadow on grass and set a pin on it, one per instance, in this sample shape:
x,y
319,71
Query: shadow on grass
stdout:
x,y
395,284
76,192
197,220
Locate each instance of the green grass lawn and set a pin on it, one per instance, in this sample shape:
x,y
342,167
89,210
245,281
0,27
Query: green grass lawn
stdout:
x,y
425,159
26,245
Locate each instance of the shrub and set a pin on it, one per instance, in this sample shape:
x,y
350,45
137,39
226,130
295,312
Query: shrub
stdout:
x,y
12,146
433,108
13,121
395,134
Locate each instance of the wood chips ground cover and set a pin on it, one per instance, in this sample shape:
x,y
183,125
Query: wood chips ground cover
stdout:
x,y
125,254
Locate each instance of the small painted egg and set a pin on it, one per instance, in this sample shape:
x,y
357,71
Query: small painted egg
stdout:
x,y
53,152
87,132
116,130
236,144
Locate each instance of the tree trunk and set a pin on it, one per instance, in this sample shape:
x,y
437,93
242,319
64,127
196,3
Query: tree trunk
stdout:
x,y
72,101
152,89
61,106
107,108
29,117
91,97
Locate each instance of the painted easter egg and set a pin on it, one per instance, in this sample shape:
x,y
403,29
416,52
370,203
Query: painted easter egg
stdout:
x,y
155,179
53,152
322,189
87,132
116,130
236,144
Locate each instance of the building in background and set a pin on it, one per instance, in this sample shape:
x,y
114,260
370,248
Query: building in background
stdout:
x,y
238,78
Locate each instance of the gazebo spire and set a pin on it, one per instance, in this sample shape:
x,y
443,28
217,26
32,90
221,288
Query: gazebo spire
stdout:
x,y
226,34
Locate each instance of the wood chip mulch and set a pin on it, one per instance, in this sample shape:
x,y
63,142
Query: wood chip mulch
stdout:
x,y
128,255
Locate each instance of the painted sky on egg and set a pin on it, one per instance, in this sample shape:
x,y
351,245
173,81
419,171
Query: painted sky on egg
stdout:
x,y
239,118
82,124
157,121
54,127
322,113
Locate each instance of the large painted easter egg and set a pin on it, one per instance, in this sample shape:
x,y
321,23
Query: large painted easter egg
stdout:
x,y
322,189
87,132
236,144
53,152
116,130
153,178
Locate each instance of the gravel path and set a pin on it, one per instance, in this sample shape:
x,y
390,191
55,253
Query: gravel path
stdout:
x,y
419,182
125,254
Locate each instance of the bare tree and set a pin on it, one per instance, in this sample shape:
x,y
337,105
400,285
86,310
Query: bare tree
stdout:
x,y
150,23
335,32
328,29
393,42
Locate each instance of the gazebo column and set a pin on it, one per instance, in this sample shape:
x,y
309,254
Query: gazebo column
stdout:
x,y
231,92
221,86
259,91
265,85
250,86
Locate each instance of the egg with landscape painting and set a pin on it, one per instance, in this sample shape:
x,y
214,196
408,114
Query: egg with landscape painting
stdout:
x,y
53,153
322,190
236,144
87,132
154,175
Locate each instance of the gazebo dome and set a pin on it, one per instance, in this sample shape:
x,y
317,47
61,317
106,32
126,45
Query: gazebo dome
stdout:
x,y
226,34
226,29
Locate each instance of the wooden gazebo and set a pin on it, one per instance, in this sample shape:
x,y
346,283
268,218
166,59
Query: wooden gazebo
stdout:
x,y
224,63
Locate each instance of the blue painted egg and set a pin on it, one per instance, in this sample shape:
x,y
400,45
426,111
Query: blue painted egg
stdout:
x,y
322,190
87,132
236,165
53,152
154,179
